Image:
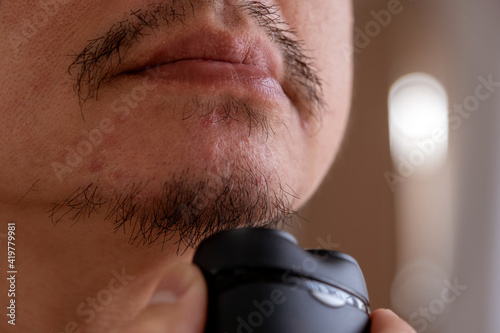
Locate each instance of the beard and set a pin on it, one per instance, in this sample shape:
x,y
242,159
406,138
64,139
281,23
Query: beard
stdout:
x,y
186,210
192,204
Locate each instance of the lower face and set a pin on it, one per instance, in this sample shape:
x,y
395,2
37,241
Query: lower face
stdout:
x,y
199,134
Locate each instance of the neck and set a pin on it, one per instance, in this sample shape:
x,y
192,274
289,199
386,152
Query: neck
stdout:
x,y
73,277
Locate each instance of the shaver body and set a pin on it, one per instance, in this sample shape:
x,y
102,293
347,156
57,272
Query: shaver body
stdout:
x,y
261,281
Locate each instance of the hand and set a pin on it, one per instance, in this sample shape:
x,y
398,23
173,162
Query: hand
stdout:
x,y
180,304
386,321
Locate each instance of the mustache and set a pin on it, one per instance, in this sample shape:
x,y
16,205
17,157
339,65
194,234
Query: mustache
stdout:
x,y
97,63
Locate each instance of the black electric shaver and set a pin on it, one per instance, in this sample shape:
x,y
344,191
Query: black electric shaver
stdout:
x,y
261,281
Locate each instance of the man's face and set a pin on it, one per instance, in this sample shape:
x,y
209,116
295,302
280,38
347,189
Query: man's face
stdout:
x,y
176,115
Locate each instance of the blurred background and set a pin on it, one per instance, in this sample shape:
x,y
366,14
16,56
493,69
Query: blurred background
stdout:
x,y
413,195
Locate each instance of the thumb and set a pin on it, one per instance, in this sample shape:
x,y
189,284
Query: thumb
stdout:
x,y
178,304
386,321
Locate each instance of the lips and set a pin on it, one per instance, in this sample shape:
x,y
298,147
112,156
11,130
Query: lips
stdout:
x,y
211,62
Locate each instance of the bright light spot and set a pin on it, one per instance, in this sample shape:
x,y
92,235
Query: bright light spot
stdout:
x,y
418,121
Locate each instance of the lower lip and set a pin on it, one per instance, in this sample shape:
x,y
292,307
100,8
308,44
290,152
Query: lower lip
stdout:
x,y
215,76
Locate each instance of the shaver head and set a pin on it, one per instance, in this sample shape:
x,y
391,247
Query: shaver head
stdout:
x,y
260,280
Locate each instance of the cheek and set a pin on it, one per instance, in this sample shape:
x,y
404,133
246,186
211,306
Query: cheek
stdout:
x,y
326,28
322,148
39,106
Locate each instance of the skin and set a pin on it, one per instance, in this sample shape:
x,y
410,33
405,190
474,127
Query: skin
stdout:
x,y
65,265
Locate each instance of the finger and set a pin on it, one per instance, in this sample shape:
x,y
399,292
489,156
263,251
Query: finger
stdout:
x,y
178,304
386,321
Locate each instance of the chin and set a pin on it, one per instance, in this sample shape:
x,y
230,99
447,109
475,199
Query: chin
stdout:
x,y
185,204
201,185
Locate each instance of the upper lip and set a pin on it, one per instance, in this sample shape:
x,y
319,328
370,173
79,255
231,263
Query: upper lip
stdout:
x,y
219,46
